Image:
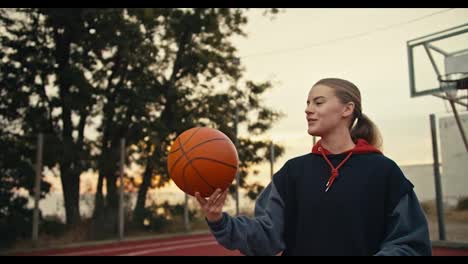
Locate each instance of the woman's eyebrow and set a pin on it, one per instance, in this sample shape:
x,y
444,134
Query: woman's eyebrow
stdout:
x,y
318,97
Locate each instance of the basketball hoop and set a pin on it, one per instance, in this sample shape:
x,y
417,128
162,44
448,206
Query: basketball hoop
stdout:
x,y
452,82
457,80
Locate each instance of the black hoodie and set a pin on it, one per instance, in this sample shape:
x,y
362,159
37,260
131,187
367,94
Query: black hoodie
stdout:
x,y
367,208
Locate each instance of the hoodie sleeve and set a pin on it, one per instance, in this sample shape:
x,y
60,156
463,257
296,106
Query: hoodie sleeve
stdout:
x,y
407,231
260,235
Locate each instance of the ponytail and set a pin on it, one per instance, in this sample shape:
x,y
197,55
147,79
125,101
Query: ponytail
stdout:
x,y
367,130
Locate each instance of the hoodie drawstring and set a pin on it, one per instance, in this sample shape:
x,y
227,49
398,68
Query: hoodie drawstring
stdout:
x,y
334,171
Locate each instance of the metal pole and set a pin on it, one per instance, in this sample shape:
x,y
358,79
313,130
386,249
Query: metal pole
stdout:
x,y
314,140
429,54
237,173
272,158
236,61
186,215
37,188
121,189
411,70
456,101
438,187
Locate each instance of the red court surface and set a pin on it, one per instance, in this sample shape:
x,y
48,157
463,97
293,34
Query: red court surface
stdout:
x,y
449,252
193,245
189,245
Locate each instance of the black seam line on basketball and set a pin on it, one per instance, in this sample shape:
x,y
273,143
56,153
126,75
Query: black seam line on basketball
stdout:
x,y
199,175
190,162
175,150
218,161
201,158
184,180
196,146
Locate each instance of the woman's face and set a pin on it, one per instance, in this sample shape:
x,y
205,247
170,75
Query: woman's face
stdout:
x,y
325,112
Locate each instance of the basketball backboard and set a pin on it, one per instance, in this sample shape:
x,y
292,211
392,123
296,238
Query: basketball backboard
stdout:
x,y
438,64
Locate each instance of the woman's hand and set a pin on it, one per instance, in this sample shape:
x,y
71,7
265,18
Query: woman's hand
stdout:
x,y
213,206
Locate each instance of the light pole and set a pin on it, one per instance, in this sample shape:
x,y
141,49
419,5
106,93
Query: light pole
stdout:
x,y
121,189
236,61
37,188
272,158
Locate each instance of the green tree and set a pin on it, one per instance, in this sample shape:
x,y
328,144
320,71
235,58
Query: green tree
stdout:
x,y
16,174
199,75
65,70
145,75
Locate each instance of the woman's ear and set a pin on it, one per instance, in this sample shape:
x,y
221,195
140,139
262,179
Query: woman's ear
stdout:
x,y
348,110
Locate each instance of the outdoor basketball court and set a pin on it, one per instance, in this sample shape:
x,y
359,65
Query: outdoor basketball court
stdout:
x,y
188,245
437,66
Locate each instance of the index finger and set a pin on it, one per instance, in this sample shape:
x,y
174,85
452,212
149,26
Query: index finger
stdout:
x,y
215,195
200,199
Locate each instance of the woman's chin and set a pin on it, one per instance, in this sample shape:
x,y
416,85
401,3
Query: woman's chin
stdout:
x,y
312,132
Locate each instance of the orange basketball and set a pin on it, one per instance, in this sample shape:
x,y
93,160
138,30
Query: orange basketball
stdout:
x,y
201,160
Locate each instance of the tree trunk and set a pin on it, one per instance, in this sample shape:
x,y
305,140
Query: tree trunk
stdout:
x,y
107,157
142,192
112,198
69,173
106,207
99,197
71,195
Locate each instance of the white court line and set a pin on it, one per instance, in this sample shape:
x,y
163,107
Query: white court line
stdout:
x,y
142,252
108,250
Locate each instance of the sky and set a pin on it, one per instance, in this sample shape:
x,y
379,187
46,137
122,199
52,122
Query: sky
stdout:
x,y
366,46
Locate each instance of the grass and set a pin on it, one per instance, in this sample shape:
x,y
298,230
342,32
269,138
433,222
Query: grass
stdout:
x,y
77,234
82,232
451,213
